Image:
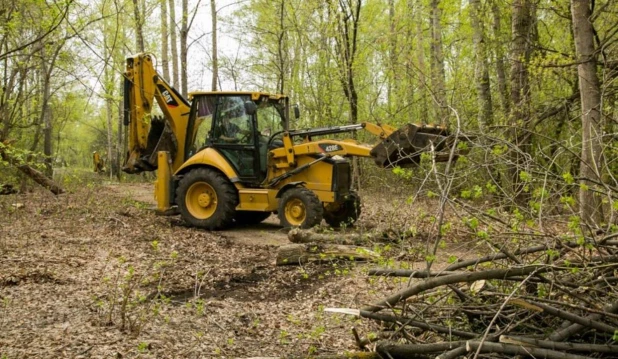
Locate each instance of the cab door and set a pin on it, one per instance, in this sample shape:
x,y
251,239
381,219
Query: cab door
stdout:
x,y
234,135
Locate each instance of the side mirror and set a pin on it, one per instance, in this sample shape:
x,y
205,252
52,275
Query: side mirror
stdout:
x,y
250,108
296,112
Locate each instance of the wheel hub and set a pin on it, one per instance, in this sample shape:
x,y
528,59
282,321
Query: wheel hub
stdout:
x,y
296,212
201,200
204,200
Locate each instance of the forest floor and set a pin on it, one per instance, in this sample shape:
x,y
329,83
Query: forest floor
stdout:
x,y
95,273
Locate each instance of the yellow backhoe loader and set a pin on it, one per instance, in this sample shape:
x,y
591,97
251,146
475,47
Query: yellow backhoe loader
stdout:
x,y
98,162
229,158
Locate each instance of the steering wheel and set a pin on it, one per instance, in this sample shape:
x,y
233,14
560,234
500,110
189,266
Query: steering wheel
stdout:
x,y
244,138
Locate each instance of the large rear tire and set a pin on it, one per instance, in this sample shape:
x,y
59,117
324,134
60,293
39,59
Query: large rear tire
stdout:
x,y
206,199
300,207
345,213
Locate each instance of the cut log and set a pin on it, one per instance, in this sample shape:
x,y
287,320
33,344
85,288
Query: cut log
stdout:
x,y
36,175
298,235
298,253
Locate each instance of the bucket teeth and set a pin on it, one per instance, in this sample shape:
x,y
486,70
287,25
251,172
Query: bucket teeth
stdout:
x,y
404,147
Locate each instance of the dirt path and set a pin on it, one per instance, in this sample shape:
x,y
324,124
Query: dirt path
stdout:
x,y
267,233
94,273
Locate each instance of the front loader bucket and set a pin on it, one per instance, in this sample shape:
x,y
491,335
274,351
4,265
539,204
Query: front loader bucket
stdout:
x,y
404,147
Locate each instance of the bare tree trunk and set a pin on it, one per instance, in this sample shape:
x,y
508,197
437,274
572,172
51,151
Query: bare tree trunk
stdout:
x,y
347,42
119,144
408,63
520,92
282,49
45,114
184,34
108,87
590,93
164,41
139,35
481,71
47,69
499,53
174,47
422,68
437,64
392,52
215,55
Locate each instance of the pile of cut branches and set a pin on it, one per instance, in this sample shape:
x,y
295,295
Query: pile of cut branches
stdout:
x,y
557,300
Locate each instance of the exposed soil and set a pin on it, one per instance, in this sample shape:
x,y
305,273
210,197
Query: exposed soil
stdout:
x,y
95,273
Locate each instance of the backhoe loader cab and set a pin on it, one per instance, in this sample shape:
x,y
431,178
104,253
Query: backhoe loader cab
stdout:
x,y
239,127
227,158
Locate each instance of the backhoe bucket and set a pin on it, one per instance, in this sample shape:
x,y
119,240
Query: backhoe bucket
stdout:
x,y
160,138
404,147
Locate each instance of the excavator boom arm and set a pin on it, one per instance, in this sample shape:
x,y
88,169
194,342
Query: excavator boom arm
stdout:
x,y
148,134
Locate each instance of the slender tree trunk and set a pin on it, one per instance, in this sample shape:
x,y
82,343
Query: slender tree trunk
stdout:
x,y
165,62
120,124
437,64
47,69
282,49
139,35
174,43
410,49
422,68
392,52
215,55
347,42
499,54
590,93
46,113
108,87
184,34
481,71
520,92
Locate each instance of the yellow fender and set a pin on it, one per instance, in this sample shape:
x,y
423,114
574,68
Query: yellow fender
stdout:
x,y
210,157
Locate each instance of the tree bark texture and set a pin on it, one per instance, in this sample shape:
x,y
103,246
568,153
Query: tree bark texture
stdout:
x,y
184,50
174,44
139,25
521,25
437,65
293,254
165,62
481,71
215,56
420,58
347,43
282,50
498,46
590,94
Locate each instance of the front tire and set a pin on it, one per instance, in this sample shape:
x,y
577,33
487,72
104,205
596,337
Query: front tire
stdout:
x,y
342,214
206,199
300,207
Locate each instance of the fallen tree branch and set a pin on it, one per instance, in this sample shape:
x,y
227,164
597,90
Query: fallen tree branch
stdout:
x,y
452,279
407,273
298,235
418,324
509,349
586,322
565,333
303,253
398,350
548,344
29,171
